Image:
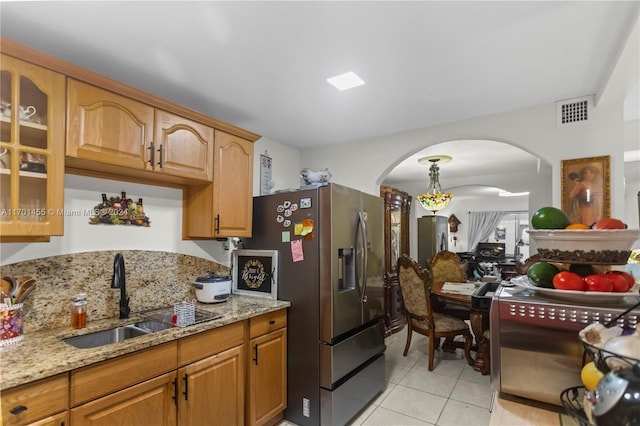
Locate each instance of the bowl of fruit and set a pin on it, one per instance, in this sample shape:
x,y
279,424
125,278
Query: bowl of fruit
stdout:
x,y
579,283
606,242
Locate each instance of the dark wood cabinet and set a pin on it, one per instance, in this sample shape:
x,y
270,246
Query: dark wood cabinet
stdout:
x,y
397,206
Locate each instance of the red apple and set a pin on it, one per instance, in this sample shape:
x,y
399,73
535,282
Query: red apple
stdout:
x,y
598,283
609,223
627,276
620,284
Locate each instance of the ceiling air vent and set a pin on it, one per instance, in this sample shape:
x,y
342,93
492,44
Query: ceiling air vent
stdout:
x,y
574,110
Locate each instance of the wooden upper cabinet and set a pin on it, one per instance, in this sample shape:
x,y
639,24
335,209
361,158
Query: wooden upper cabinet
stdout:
x,y
232,186
31,139
182,147
106,127
225,207
113,129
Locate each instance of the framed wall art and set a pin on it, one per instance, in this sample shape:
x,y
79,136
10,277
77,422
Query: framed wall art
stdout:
x,y
586,189
255,273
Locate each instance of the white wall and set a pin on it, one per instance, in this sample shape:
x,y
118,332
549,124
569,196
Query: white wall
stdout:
x,y
632,177
533,130
162,205
285,165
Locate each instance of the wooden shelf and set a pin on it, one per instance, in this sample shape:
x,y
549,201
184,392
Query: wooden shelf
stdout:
x,y
25,123
24,173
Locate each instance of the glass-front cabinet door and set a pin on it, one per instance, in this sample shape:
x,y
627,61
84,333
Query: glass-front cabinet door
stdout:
x,y
32,101
395,216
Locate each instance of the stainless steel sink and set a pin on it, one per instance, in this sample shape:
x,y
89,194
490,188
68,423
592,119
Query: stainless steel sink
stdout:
x,y
152,326
154,321
106,337
165,315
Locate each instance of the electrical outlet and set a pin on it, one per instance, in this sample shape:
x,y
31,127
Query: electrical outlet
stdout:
x,y
305,407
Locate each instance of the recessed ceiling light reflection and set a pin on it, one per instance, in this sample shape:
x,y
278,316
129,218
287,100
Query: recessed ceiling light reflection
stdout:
x,y
345,81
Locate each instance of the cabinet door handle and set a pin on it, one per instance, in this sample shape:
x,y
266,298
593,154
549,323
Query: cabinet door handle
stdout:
x,y
186,387
255,353
272,322
18,409
175,391
160,151
152,154
217,224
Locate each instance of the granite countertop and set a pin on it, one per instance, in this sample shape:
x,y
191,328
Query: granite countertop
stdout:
x,y
43,354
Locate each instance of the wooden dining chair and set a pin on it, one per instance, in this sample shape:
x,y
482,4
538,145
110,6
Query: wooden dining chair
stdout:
x,y
415,284
446,266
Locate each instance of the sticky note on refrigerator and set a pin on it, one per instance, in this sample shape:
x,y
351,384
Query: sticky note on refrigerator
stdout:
x,y
296,251
286,236
297,229
307,226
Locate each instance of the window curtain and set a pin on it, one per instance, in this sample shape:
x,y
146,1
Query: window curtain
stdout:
x,y
481,226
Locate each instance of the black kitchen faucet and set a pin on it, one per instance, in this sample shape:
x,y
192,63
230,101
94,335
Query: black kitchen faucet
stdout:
x,y
118,281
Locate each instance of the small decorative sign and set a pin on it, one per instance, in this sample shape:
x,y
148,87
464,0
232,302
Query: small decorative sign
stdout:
x,y
255,273
119,211
266,182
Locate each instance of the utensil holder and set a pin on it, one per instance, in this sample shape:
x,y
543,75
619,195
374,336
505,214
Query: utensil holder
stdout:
x,y
11,317
185,313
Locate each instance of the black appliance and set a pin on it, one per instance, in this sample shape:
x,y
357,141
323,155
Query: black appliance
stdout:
x,y
490,252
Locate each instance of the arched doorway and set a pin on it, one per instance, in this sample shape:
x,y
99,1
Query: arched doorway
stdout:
x,y
480,174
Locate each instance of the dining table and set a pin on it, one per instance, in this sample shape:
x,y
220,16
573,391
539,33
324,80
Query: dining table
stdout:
x,y
460,294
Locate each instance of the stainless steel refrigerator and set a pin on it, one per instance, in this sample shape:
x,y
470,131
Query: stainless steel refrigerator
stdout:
x,y
330,251
433,236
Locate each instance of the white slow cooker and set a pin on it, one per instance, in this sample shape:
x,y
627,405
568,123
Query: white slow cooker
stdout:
x,y
212,288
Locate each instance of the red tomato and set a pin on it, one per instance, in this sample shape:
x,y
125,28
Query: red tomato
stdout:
x,y
620,283
566,280
627,276
609,223
598,283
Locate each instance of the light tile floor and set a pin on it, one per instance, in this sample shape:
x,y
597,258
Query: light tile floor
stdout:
x,y
452,394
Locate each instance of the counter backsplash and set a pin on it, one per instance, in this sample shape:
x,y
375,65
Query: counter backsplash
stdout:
x,y
153,279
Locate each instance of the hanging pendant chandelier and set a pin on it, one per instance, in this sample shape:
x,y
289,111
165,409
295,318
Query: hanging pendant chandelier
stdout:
x,y
434,199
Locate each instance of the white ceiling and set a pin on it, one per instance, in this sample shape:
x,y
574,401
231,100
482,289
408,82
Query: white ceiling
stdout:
x,y
262,65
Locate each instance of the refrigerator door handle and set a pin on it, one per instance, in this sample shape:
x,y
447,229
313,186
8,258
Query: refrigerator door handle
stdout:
x,y
365,250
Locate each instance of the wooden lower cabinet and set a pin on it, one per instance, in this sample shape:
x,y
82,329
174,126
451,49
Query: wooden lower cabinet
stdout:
x,y
203,379
105,378
44,402
267,368
268,378
148,403
60,419
212,390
